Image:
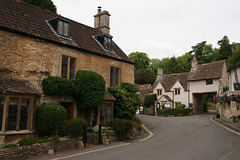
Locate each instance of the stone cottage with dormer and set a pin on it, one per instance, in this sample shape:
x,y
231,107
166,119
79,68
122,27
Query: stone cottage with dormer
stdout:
x,y
35,44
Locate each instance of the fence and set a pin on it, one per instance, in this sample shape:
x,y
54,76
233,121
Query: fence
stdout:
x,y
92,135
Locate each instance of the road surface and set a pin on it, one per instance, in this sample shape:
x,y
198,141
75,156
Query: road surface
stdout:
x,y
174,138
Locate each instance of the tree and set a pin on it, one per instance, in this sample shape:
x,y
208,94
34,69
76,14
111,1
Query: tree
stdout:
x,y
225,50
172,66
144,76
232,60
140,59
44,4
126,101
154,65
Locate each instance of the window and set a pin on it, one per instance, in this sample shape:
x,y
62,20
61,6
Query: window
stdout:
x,y
159,92
1,112
105,40
177,91
177,103
18,113
105,112
114,77
68,67
209,81
60,26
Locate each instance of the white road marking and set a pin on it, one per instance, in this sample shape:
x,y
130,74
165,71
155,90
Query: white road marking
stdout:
x,y
149,132
102,149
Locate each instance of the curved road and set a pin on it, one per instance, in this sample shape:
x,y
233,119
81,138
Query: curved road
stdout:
x,y
175,138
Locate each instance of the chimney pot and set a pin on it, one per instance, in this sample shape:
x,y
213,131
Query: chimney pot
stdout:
x,y
99,9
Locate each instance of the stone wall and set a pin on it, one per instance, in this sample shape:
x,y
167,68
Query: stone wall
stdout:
x,y
226,110
24,152
33,59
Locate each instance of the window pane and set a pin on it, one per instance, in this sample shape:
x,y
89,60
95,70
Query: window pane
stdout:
x,y
102,114
24,114
64,66
108,112
66,28
72,68
116,77
111,76
1,111
12,114
60,27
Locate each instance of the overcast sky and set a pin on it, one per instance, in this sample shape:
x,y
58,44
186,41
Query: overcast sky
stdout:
x,y
160,28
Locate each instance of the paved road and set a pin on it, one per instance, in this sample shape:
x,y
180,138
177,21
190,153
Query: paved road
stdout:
x,y
175,138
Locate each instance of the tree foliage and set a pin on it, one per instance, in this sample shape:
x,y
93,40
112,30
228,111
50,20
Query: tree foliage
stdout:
x,y
144,76
225,50
149,100
126,101
44,4
140,59
90,89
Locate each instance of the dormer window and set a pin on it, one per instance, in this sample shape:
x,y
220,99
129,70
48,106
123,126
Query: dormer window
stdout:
x,y
105,40
60,26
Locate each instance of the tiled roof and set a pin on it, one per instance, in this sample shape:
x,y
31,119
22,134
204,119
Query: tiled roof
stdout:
x,y
108,96
17,86
143,86
169,80
27,19
206,71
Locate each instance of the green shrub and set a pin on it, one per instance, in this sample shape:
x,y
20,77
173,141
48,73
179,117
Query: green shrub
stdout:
x,y
89,89
74,127
12,145
122,128
57,86
126,102
27,141
163,105
137,120
49,119
180,106
149,100
175,112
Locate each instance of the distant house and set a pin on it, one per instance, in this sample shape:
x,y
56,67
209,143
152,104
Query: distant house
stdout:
x,y
144,89
35,44
188,88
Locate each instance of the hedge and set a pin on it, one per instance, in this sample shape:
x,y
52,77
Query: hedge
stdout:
x,y
175,112
49,119
74,127
90,89
149,100
180,106
57,86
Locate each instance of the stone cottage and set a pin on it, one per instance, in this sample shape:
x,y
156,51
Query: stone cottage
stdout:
x,y
231,106
188,88
35,44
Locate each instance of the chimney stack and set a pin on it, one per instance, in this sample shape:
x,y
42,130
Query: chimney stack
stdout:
x,y
194,62
101,21
160,72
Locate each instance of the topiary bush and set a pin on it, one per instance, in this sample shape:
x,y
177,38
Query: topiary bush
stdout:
x,y
49,119
180,106
122,128
74,127
149,100
89,89
57,86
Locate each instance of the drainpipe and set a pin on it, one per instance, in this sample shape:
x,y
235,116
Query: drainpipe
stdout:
x,y
173,98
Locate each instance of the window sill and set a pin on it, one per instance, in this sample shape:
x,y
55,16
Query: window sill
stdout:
x,y
16,132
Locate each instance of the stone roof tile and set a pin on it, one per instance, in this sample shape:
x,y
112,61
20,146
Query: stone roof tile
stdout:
x,y
30,20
